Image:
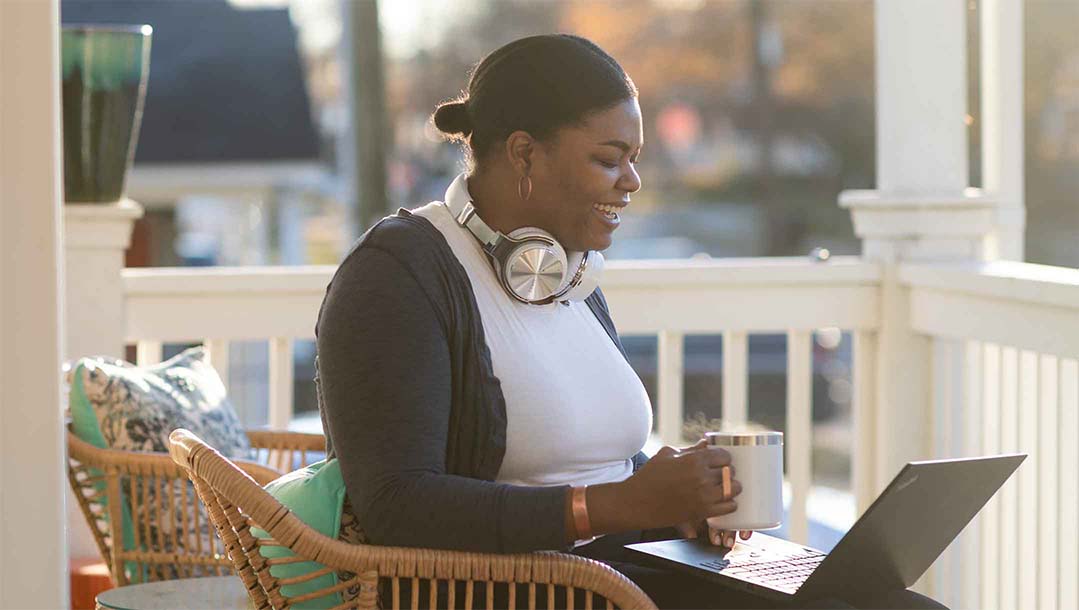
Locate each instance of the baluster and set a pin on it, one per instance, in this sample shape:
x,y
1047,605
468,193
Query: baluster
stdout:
x,y
735,377
1008,561
670,380
1068,498
973,414
281,374
799,439
990,574
1047,482
1027,483
863,408
148,352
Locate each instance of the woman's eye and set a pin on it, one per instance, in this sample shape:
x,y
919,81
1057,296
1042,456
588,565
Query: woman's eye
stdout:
x,y
607,164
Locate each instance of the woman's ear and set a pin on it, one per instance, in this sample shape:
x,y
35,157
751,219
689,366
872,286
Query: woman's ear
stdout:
x,y
520,149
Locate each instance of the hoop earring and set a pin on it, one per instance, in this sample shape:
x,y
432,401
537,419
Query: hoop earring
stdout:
x,y
525,196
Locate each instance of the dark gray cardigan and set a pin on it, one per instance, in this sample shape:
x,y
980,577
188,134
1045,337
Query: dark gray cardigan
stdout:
x,y
411,405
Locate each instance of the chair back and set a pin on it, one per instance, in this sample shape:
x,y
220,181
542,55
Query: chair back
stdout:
x,y
380,576
144,514
146,501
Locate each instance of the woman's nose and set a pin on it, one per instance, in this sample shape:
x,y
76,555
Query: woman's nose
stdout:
x,y
630,181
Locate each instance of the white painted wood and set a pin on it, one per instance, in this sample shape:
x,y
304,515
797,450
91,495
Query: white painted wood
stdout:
x,y
998,280
219,358
1026,483
990,517
1045,329
281,382
1002,121
169,182
970,542
148,352
33,549
752,295
799,438
903,400
863,466
1068,499
1048,472
944,577
921,95
1008,562
95,238
914,225
670,375
735,377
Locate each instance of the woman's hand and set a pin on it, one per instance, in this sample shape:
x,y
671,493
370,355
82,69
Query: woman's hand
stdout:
x,y
681,485
689,529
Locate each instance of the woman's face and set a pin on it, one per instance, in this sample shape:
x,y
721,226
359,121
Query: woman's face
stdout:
x,y
586,176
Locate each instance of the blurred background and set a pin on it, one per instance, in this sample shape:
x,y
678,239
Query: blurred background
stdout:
x,y
276,131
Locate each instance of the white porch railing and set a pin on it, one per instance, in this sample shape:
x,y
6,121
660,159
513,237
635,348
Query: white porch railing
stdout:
x,y
1005,338
668,299
1003,377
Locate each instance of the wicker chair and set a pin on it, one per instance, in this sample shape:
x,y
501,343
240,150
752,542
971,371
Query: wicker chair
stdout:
x,y
237,504
168,532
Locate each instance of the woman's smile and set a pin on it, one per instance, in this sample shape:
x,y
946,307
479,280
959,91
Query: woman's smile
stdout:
x,y
608,214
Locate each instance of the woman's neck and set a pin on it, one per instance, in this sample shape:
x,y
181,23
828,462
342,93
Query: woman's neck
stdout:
x,y
496,200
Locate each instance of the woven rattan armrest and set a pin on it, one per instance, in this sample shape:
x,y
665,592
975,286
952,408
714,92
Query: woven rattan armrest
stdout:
x,y
225,489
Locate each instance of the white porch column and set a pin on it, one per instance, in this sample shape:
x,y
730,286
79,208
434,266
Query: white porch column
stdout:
x,y
96,236
921,210
33,554
95,239
1002,124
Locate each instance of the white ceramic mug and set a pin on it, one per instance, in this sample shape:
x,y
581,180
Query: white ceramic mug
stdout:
x,y
757,458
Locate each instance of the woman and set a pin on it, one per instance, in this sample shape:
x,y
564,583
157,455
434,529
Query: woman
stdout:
x,y
471,381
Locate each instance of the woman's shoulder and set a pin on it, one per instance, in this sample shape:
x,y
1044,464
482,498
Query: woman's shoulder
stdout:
x,y
402,248
408,239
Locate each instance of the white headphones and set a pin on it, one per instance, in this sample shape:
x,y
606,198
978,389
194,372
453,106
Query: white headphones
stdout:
x,y
530,264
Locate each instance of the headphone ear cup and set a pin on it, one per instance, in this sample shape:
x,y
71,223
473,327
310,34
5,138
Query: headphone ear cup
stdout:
x,y
590,276
512,266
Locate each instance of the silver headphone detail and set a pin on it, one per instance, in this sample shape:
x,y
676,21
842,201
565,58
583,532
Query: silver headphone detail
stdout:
x,y
531,266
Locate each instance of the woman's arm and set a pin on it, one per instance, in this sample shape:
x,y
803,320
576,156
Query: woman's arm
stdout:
x,y
385,377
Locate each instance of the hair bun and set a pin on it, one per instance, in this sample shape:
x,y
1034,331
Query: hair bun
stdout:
x,y
452,118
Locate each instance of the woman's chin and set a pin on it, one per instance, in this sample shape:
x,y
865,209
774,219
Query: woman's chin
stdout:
x,y
600,243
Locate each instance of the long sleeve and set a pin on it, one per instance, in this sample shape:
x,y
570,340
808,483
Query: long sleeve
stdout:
x,y
385,371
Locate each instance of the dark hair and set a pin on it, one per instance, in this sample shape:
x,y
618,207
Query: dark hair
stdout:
x,y
536,84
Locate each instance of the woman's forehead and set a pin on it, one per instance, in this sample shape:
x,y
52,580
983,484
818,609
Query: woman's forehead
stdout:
x,y
620,123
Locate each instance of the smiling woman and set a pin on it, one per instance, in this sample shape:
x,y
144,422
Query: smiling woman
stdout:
x,y
556,118
471,380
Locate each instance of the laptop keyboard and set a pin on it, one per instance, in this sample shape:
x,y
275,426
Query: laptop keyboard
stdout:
x,y
787,573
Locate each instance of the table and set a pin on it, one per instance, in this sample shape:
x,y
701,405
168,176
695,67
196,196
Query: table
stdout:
x,y
218,592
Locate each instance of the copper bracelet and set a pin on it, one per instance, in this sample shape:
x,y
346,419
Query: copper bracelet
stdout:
x,y
580,514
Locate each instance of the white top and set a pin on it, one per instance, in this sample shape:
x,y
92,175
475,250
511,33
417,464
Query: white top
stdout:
x,y
576,411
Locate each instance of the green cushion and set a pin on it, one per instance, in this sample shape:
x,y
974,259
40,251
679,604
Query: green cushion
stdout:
x,y
316,495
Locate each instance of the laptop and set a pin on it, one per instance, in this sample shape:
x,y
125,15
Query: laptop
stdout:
x,y
905,529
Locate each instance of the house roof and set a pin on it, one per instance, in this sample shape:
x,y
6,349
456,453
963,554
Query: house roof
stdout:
x,y
226,84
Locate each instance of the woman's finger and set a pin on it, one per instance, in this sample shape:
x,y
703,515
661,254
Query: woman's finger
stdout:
x,y
724,507
745,534
722,538
701,444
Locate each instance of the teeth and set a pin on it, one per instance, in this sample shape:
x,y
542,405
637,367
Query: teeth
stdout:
x,y
606,208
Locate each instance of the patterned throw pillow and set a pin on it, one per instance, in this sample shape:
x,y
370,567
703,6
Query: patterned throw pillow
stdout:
x,y
117,405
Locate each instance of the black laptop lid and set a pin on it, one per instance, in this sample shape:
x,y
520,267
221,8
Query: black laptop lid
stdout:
x,y
910,524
